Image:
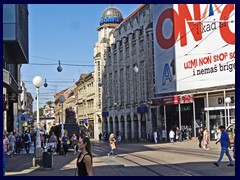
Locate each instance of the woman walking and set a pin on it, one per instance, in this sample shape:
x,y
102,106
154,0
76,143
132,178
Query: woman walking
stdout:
x,y
65,142
84,161
112,143
74,143
206,138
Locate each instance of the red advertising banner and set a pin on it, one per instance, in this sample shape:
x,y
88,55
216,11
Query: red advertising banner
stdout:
x,y
170,100
184,99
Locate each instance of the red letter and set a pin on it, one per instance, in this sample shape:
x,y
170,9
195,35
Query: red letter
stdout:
x,y
184,14
227,35
162,41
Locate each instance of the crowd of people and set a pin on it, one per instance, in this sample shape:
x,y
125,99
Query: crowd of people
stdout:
x,y
13,143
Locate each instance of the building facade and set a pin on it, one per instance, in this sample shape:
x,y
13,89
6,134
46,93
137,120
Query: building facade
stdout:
x,y
110,19
128,78
15,53
85,92
194,47
179,83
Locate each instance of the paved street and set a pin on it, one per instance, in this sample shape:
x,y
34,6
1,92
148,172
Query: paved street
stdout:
x,y
133,159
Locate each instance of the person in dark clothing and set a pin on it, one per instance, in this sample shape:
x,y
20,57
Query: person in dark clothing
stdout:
x,y
200,137
65,141
18,144
100,136
84,161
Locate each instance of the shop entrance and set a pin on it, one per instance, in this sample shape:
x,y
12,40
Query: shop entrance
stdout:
x,y
172,113
216,118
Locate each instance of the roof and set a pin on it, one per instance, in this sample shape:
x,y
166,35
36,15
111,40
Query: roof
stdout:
x,y
133,13
57,95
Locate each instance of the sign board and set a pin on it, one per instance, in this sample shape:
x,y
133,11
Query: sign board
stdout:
x,y
194,46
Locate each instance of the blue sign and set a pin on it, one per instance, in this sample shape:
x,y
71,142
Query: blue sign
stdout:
x,y
110,20
85,121
23,117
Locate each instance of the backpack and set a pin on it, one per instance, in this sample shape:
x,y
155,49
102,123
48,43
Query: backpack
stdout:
x,y
25,138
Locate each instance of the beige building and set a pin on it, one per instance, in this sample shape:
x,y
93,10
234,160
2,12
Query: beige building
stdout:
x,y
85,109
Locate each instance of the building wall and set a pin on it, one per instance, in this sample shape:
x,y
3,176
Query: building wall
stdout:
x,y
105,38
15,52
85,102
124,90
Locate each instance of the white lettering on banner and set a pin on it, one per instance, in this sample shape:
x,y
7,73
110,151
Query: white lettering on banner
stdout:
x,y
202,45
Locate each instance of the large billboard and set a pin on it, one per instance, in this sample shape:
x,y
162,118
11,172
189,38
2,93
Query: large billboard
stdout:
x,y
194,46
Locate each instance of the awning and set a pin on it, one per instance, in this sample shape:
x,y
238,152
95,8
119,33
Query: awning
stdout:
x,y
105,114
142,109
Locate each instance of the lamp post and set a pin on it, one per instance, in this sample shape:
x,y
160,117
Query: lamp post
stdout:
x,y
228,100
37,82
61,100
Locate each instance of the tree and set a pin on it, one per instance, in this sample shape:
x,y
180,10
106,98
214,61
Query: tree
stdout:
x,y
40,112
49,103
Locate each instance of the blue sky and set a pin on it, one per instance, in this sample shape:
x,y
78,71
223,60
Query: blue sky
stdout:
x,y
65,32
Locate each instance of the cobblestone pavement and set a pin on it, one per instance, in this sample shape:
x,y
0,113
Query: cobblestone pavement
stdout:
x,y
133,159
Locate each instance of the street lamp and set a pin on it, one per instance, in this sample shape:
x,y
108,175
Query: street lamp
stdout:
x,y
37,82
61,100
228,100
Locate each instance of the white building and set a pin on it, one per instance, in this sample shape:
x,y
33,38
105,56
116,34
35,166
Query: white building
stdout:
x,y
128,79
110,19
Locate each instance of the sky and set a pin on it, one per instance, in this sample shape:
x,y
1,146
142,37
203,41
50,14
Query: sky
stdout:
x,y
65,32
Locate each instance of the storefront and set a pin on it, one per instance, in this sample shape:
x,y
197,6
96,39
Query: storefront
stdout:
x,y
216,110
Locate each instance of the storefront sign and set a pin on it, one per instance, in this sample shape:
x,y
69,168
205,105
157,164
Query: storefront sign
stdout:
x,y
181,34
13,97
184,108
170,100
184,99
218,101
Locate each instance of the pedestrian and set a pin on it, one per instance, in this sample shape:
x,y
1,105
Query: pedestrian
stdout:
x,y
18,144
84,161
206,138
74,143
155,136
171,136
100,137
12,141
27,140
65,142
54,141
4,163
112,143
200,137
6,145
177,134
234,145
225,144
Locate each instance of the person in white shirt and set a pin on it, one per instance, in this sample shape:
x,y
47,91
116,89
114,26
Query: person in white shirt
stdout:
x,y
155,136
12,141
171,135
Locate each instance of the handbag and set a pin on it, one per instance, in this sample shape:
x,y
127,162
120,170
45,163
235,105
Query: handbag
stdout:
x,y
68,142
113,145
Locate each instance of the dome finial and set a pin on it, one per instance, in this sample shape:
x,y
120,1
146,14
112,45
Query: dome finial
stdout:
x,y
111,15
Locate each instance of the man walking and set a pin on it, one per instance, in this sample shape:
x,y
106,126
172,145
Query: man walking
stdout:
x,y
225,143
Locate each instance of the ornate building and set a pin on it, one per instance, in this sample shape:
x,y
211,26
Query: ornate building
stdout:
x,y
128,78
110,19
